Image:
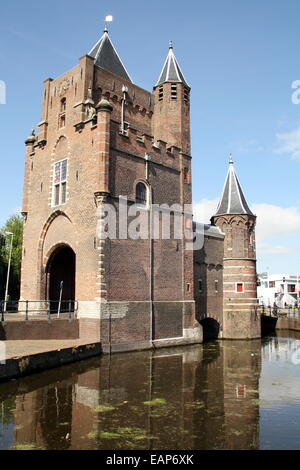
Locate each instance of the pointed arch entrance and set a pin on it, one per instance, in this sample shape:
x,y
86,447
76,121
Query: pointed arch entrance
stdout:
x,y
61,272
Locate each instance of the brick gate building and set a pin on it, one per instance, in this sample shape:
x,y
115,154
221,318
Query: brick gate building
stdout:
x,y
105,142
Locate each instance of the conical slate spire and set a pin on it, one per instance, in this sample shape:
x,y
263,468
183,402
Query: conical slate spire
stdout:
x,y
107,58
233,200
171,71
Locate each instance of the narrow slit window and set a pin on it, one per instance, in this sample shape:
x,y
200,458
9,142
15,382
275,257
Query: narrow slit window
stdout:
x,y
173,92
62,116
63,105
186,95
186,175
161,93
62,121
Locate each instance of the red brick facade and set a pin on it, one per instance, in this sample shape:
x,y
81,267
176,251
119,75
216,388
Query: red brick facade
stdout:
x,y
131,293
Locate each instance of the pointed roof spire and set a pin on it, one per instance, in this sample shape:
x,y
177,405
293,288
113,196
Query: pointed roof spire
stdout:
x,y
233,200
171,71
106,56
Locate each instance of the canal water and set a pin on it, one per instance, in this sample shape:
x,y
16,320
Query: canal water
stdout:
x,y
220,395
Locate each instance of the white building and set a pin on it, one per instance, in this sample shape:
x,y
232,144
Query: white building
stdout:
x,y
283,289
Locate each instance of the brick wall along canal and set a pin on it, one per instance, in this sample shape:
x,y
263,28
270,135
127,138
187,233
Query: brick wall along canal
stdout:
x,y
220,395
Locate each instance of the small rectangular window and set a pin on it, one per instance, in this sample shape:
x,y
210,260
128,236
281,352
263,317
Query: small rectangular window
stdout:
x,y
200,285
217,286
240,287
188,287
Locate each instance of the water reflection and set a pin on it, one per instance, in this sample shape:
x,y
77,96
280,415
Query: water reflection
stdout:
x,y
203,397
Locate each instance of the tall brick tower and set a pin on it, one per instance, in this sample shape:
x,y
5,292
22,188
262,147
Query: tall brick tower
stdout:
x,y
237,222
172,106
104,141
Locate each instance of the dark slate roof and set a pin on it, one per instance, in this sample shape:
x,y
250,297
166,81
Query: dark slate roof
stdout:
x,y
233,200
171,71
107,58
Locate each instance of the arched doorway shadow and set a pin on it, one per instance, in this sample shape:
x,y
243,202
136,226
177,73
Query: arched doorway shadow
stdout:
x,y
211,329
61,272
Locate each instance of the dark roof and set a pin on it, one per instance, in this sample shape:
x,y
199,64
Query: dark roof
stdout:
x,y
171,71
107,58
233,200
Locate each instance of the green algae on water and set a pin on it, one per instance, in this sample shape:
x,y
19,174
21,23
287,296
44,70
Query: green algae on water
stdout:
x,y
156,402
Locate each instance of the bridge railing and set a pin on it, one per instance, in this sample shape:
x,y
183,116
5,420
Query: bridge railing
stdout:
x,y
37,309
279,312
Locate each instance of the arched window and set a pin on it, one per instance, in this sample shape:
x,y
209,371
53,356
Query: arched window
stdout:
x,y
63,105
141,194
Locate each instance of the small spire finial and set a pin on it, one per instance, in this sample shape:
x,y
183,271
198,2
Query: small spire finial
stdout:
x,y
171,44
230,159
108,19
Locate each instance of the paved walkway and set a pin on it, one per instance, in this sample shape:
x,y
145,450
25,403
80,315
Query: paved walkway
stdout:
x,y
13,349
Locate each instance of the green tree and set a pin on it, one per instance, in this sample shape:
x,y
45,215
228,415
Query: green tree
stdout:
x,y
14,225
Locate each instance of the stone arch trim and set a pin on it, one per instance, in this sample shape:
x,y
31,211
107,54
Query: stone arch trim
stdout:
x,y
148,189
52,251
43,259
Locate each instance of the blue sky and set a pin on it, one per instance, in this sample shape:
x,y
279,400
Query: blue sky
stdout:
x,y
240,58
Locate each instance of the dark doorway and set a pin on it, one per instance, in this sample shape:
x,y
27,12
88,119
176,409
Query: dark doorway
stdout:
x,y
211,329
61,274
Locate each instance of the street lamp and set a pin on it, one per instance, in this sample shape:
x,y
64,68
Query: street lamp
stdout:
x,y
8,234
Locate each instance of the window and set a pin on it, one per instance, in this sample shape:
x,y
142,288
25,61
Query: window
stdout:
x,y
60,183
62,116
200,287
62,121
240,287
292,288
272,284
217,286
63,105
188,287
173,92
186,95
141,194
186,175
161,93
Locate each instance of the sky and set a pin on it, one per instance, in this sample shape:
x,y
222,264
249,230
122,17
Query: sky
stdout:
x,y
241,59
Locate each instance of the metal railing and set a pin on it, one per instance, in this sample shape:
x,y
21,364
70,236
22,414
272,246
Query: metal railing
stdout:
x,y
278,312
35,309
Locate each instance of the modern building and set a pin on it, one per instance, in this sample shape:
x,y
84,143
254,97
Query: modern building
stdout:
x,y
280,289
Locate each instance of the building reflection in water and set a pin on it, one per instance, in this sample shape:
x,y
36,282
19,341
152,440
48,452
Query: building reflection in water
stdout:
x,y
198,397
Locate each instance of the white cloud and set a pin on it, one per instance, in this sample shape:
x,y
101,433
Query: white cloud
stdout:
x,y
276,221
204,210
290,143
273,222
268,249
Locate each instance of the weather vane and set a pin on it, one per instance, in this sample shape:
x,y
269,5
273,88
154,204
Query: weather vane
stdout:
x,y
230,158
108,19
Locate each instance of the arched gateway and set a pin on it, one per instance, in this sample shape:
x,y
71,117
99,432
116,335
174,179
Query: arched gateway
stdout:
x,y
61,270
